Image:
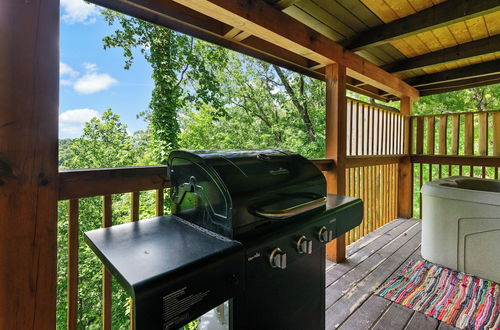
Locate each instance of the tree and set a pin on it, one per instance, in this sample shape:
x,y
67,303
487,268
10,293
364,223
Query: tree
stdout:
x,y
265,106
183,73
472,99
104,143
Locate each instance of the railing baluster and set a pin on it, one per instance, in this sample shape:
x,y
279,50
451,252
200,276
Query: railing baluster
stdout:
x,y
160,201
72,312
496,134
455,134
431,126
420,136
363,110
443,138
134,216
483,134
106,275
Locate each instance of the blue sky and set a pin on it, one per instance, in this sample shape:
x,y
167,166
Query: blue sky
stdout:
x,y
93,79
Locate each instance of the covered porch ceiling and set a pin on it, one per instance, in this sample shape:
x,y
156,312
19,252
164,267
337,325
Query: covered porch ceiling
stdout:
x,y
390,48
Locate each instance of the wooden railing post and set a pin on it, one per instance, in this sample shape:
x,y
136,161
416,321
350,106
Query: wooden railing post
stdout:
x,y
336,135
29,97
405,176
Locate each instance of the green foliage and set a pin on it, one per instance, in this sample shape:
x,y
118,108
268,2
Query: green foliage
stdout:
x,y
183,73
472,99
265,107
104,143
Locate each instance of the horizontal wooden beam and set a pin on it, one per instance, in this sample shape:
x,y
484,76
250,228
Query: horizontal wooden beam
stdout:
x,y
182,19
460,84
324,164
443,14
74,184
463,51
268,23
471,71
361,161
457,160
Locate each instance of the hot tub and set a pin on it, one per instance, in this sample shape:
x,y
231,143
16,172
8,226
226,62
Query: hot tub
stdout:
x,y
461,225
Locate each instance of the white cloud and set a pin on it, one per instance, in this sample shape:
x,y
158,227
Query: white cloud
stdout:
x,y
71,122
66,70
78,11
90,82
94,82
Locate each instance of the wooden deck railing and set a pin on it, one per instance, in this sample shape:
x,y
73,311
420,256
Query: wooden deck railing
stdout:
x,y
375,154
374,150
454,144
78,184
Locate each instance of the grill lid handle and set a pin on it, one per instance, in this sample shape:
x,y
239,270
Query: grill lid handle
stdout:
x,y
291,211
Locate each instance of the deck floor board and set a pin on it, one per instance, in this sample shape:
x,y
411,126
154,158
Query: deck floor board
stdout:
x,y
371,261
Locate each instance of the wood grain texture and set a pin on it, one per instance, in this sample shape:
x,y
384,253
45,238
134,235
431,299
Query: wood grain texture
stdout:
x,y
431,18
496,134
73,221
107,221
468,134
405,177
483,134
29,77
336,144
431,136
443,136
455,134
457,160
106,181
268,23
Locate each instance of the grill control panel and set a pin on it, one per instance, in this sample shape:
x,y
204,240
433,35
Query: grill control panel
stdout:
x,y
325,235
304,245
277,259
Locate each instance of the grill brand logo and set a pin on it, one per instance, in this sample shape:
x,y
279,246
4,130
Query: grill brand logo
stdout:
x,y
280,171
255,256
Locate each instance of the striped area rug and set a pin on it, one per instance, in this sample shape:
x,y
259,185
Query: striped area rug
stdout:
x,y
461,300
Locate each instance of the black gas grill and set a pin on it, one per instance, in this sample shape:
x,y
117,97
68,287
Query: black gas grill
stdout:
x,y
250,226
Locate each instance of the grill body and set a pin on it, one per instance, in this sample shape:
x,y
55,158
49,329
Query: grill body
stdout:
x,y
242,193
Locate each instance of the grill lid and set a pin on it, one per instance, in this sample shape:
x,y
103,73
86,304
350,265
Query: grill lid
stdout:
x,y
224,190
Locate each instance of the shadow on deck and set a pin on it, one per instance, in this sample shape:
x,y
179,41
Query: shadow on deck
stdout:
x,y
350,302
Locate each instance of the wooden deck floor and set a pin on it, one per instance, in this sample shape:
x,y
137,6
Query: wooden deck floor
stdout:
x,y
350,302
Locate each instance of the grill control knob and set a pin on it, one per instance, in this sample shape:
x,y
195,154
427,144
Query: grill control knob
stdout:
x,y
277,259
304,245
325,235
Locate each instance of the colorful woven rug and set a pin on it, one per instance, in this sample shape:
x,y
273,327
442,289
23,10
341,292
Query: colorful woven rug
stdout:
x,y
461,300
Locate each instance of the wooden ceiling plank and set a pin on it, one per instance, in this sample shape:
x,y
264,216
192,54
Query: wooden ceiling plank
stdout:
x,y
463,51
361,11
268,23
382,10
446,13
342,14
402,7
477,28
300,15
460,32
472,71
420,5
326,18
492,22
484,81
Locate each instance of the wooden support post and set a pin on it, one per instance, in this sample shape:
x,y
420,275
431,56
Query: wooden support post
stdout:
x,y
336,135
29,97
405,179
